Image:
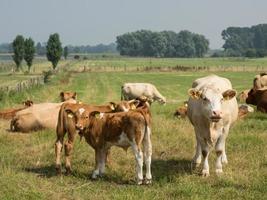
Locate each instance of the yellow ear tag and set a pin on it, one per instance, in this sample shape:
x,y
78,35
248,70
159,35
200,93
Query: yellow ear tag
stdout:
x,y
133,107
70,115
97,116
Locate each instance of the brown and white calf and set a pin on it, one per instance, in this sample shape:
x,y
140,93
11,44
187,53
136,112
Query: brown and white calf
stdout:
x,y
212,109
123,129
66,124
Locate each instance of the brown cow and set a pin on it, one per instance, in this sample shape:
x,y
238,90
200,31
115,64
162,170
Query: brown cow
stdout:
x,y
242,96
67,125
244,110
181,112
64,96
124,129
10,113
258,98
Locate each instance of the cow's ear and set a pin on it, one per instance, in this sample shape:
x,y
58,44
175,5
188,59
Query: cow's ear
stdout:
x,y
195,94
229,94
74,95
112,105
95,114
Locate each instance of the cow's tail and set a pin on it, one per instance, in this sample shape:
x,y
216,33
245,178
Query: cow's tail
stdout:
x,y
60,122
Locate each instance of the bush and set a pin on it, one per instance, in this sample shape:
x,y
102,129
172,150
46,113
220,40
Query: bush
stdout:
x,y
47,75
77,57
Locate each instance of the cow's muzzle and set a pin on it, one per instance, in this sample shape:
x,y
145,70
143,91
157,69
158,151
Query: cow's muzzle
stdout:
x,y
79,127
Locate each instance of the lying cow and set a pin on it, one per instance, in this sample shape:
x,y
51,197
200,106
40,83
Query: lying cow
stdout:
x,y
260,81
258,98
10,113
124,129
135,90
66,124
181,112
212,109
244,110
39,116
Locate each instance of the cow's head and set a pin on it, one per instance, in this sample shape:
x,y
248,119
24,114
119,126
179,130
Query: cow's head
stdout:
x,y
80,116
64,96
125,106
27,103
211,100
161,100
254,96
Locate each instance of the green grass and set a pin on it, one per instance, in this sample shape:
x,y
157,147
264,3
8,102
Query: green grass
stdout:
x,y
27,160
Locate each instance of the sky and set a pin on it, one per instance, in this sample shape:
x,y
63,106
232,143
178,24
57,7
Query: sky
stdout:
x,y
90,22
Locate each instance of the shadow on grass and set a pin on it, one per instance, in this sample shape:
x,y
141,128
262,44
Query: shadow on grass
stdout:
x,y
42,171
165,169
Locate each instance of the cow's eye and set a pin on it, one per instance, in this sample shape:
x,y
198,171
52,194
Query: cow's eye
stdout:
x,y
205,99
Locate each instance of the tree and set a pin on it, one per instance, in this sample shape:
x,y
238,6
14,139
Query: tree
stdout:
x,y
54,49
66,52
29,51
18,48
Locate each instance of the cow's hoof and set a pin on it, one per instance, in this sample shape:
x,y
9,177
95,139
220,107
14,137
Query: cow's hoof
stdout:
x,y
219,171
58,170
68,170
139,182
205,173
147,181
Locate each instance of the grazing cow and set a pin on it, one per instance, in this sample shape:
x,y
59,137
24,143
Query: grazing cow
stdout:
x,y
181,112
242,96
258,98
260,81
39,116
66,124
135,90
212,108
10,113
124,129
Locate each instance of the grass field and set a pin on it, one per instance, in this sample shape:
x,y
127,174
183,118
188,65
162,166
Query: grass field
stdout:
x,y
27,160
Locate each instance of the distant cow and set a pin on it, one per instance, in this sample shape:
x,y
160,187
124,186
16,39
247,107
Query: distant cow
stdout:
x,y
242,96
135,90
212,108
124,129
181,112
64,96
10,113
260,81
244,110
258,98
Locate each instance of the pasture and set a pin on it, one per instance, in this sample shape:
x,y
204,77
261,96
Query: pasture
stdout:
x,y
27,160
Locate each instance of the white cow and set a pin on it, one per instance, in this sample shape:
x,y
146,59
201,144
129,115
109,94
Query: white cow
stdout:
x,y
131,91
212,109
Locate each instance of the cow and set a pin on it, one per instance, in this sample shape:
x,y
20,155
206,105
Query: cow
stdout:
x,y
123,129
131,91
244,110
260,81
212,109
39,116
10,113
242,96
67,125
258,98
181,112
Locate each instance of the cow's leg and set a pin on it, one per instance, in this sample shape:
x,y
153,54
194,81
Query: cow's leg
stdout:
x,y
97,164
147,155
68,150
139,162
205,153
58,149
222,143
197,157
102,160
219,152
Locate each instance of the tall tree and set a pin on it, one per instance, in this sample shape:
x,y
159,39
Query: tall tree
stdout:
x,y
29,52
18,48
54,49
66,52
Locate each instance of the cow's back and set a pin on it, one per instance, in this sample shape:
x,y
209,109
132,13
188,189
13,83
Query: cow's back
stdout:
x,y
134,90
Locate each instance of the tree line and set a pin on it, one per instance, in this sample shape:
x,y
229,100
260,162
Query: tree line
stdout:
x,y
24,49
246,41
162,44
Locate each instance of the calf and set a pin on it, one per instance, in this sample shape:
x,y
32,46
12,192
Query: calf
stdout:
x,y
181,112
66,124
125,129
258,98
11,112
